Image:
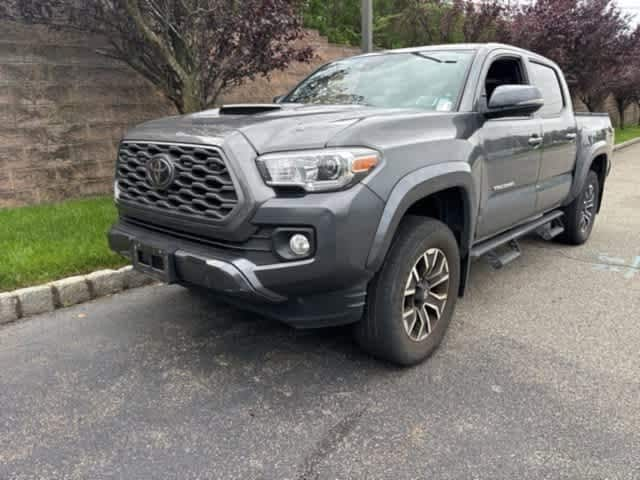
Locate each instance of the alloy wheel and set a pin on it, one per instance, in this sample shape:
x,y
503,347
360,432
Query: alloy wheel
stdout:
x,y
425,294
588,207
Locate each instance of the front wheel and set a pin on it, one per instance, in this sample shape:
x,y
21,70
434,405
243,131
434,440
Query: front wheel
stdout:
x,y
580,215
411,300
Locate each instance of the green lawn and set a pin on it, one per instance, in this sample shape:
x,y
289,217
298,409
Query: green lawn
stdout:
x,y
47,242
627,134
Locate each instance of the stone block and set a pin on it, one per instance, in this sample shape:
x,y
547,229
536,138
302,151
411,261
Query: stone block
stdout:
x,y
8,308
70,291
35,300
105,282
135,279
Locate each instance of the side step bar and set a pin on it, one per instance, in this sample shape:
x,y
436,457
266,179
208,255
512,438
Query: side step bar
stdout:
x,y
498,260
540,223
550,231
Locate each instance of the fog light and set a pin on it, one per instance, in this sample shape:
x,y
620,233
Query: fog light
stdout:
x,y
299,244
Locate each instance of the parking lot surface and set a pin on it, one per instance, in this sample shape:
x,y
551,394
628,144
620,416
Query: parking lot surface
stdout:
x,y
538,377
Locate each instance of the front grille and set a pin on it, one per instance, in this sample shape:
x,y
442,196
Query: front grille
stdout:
x,y
202,185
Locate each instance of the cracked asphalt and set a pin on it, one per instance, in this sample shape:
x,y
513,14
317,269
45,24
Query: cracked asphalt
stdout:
x,y
538,377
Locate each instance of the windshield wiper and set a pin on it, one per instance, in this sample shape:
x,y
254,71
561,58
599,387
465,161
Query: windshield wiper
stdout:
x,y
422,55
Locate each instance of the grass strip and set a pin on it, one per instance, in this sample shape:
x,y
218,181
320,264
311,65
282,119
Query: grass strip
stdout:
x,y
46,242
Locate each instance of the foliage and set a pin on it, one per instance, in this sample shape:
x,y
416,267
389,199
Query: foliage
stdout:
x,y
402,23
431,22
423,23
486,21
191,49
339,20
588,39
624,81
47,242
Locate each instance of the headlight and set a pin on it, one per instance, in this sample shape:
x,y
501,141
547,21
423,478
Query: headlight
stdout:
x,y
318,170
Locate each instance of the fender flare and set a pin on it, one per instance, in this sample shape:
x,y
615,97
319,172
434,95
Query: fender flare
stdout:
x,y
415,186
583,165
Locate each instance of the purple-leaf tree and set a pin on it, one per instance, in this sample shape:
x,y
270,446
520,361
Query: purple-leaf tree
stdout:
x,y
191,49
585,38
486,21
624,82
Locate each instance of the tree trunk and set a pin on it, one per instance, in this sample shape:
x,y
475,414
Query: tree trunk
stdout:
x,y
191,97
620,104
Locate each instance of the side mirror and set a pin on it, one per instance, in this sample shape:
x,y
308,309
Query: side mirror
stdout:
x,y
514,100
278,98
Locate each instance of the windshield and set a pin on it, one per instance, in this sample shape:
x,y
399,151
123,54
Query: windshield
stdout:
x,y
430,80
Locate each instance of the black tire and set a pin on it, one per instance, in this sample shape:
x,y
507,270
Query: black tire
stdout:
x,y
575,230
382,330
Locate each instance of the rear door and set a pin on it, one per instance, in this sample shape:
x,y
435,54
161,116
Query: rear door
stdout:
x,y
559,136
512,153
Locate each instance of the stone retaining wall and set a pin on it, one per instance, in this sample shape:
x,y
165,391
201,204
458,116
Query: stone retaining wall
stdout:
x,y
62,109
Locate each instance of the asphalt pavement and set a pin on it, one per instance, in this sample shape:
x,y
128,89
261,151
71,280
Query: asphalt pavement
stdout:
x,y
538,377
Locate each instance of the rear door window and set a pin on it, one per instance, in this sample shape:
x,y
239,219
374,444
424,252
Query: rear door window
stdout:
x,y
546,79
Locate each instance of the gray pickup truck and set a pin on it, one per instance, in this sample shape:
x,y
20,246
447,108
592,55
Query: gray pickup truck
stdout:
x,y
364,194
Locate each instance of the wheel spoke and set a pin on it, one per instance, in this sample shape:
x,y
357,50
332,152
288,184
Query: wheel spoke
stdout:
x,y
442,268
413,324
415,274
583,223
440,280
438,296
427,265
421,330
426,320
435,308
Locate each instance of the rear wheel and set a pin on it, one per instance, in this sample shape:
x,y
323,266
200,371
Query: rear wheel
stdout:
x,y
411,300
580,215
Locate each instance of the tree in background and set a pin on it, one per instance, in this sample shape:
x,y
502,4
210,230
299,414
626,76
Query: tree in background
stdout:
x,y
624,82
589,40
191,49
486,21
339,20
403,23
422,23
428,22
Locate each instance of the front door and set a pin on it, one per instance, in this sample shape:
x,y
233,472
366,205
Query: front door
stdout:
x,y
512,159
512,154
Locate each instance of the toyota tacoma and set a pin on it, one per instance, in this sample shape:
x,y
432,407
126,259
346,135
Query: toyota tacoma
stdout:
x,y
363,195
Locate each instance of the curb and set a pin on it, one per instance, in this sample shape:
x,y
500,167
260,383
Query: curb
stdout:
x,y
46,298
626,144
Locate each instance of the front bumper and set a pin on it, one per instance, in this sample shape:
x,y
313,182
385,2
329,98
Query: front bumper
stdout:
x,y
327,289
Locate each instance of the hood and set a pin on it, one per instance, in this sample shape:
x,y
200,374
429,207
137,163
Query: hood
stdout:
x,y
269,127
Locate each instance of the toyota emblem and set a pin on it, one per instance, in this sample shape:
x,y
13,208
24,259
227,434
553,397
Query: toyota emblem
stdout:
x,y
160,172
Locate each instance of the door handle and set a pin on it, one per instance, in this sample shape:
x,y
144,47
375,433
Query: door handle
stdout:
x,y
535,141
571,136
